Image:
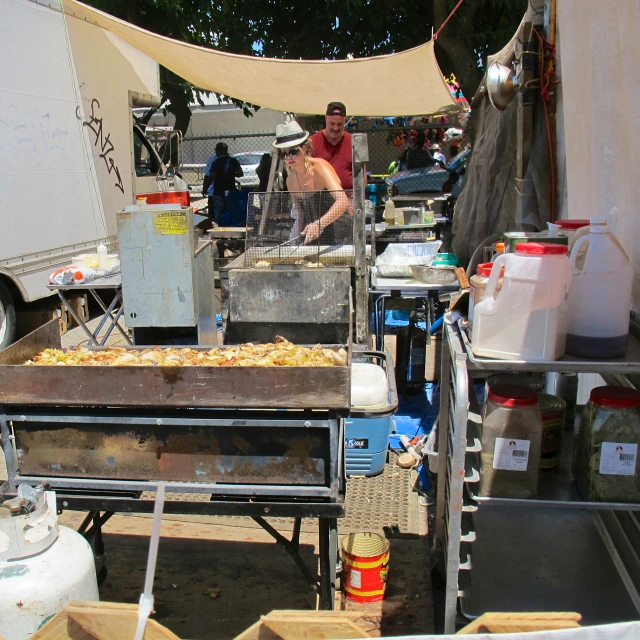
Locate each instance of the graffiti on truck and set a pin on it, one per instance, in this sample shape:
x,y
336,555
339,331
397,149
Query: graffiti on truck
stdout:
x,y
106,146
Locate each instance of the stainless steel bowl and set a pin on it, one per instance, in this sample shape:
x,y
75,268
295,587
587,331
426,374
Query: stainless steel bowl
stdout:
x,y
443,275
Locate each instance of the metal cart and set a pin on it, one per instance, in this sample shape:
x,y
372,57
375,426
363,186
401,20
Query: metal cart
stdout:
x,y
595,546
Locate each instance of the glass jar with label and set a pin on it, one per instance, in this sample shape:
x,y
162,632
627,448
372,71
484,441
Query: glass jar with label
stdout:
x,y
605,455
511,441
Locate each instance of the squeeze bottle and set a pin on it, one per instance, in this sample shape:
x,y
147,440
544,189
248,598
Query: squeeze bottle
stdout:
x,y
389,212
103,257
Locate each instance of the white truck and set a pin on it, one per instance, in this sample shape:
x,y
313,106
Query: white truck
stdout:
x,y
70,153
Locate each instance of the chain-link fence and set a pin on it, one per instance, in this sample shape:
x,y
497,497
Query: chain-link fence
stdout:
x,y
402,160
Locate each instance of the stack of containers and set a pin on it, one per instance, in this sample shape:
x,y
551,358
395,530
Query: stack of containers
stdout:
x,y
373,402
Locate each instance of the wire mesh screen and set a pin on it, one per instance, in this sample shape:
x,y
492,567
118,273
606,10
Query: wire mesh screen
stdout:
x,y
294,228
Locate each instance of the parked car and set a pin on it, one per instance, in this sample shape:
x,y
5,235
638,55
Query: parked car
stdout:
x,y
436,178
249,161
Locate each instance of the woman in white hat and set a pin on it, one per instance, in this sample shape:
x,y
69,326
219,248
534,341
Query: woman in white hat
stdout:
x,y
314,186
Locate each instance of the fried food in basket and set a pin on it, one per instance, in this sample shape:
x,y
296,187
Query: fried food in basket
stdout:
x,y
282,353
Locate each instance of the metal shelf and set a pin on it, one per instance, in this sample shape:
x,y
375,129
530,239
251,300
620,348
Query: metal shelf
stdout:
x,y
556,489
515,570
458,446
627,364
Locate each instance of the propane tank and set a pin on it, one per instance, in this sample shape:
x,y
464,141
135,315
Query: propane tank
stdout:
x,y
411,351
43,566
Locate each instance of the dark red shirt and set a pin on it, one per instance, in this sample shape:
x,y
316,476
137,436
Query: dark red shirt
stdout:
x,y
339,156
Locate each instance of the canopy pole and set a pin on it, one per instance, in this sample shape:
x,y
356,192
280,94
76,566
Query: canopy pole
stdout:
x,y
360,156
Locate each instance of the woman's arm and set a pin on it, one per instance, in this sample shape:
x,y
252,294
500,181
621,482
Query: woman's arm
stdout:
x,y
330,179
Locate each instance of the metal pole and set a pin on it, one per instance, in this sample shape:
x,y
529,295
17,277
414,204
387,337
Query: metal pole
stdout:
x,y
526,98
360,156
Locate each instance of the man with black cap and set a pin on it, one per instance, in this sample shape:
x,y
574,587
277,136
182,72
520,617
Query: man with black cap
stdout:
x,y
333,143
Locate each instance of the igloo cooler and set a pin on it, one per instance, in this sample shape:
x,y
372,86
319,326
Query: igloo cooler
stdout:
x,y
374,400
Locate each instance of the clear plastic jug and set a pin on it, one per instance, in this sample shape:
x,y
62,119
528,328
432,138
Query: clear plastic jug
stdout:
x,y
527,320
600,295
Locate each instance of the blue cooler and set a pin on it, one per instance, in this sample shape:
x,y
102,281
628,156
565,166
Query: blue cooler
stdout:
x,y
374,400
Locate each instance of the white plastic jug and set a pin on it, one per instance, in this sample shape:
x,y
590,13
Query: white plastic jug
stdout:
x,y
527,319
600,295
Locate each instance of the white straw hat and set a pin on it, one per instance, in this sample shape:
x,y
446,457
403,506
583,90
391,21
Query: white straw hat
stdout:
x,y
290,134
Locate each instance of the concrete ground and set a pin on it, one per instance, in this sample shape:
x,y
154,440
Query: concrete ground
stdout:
x,y
216,576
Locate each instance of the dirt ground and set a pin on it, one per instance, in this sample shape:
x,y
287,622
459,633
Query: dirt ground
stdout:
x,y
214,580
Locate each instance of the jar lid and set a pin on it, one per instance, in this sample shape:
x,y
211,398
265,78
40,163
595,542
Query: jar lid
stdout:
x,y
550,403
484,269
513,395
500,247
572,225
541,249
616,397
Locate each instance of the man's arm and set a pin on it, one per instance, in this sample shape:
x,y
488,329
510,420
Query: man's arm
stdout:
x,y
238,172
208,177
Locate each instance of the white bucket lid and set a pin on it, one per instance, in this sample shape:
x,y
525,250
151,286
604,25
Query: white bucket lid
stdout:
x,y
369,386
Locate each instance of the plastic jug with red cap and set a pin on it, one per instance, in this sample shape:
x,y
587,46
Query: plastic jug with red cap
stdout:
x,y
600,295
527,319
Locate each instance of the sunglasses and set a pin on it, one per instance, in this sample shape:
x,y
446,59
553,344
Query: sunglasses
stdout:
x,y
292,153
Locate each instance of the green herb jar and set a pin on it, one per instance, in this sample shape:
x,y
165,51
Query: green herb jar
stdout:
x,y
605,455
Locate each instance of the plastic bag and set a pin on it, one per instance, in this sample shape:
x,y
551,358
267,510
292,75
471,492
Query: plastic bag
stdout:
x,y
397,259
73,274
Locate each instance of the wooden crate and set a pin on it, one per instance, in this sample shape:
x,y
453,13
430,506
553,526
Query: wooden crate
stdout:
x,y
305,625
100,621
497,623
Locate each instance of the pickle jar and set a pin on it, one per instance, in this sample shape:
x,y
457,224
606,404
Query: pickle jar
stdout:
x,y
605,454
511,443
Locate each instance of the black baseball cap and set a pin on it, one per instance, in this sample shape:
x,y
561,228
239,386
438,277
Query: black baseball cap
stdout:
x,y
336,109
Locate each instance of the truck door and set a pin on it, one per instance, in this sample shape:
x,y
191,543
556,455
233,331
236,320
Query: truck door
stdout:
x,y
152,179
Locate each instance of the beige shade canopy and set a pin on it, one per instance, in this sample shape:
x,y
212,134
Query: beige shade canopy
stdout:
x,y
399,84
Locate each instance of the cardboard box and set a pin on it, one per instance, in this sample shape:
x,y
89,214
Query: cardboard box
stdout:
x,y
79,302
433,359
30,320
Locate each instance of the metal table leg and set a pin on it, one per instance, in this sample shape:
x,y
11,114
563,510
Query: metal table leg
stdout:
x,y
75,316
292,547
380,312
328,560
107,315
7,446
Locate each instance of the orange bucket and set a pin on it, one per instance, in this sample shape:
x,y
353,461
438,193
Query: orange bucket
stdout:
x,y
366,564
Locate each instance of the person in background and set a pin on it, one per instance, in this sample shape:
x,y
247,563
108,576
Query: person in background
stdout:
x,y
263,169
220,179
437,153
419,156
319,199
334,144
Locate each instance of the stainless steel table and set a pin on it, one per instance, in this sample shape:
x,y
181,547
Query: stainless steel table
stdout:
x,y
383,288
112,313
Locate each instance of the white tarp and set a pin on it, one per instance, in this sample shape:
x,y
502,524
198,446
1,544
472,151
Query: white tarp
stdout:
x,y
400,84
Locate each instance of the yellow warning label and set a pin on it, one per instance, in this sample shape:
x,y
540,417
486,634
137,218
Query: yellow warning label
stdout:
x,y
171,223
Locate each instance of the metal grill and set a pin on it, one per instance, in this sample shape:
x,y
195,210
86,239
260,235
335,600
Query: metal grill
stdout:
x,y
276,223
